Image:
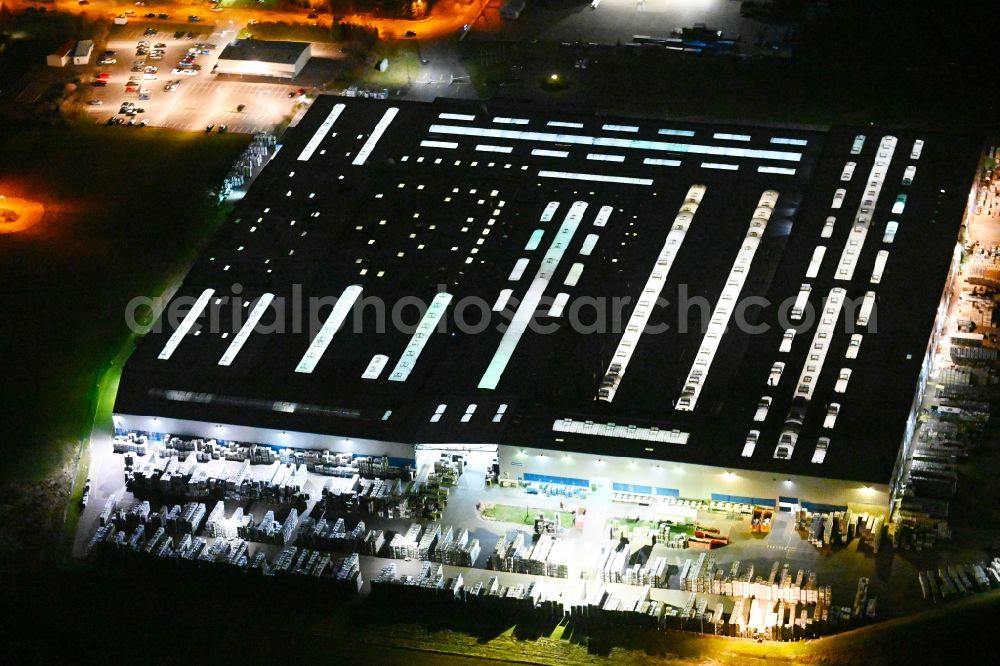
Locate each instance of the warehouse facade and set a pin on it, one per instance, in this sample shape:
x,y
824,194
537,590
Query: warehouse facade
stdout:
x,y
665,309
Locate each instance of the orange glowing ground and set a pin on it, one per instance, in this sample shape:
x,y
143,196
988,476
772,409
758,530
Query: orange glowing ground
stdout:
x,y
18,214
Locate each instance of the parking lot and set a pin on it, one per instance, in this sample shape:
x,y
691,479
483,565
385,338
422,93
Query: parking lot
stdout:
x,y
198,100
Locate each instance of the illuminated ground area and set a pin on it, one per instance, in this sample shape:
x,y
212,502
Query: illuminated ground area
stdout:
x,y
18,214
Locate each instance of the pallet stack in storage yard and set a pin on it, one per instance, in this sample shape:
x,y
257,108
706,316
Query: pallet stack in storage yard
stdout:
x,y
455,549
824,529
485,598
332,536
549,556
406,545
509,551
373,542
429,540
612,564
592,604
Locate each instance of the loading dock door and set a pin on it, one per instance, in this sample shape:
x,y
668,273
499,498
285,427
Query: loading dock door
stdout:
x,y
788,503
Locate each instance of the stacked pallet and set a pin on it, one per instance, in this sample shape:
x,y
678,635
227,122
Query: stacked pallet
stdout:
x,y
557,562
509,552
445,540
539,555
373,542
406,545
427,543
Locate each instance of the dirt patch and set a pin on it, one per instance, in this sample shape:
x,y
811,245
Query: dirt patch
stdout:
x,y
32,515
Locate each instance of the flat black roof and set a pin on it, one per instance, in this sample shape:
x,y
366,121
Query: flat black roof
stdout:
x,y
452,195
286,53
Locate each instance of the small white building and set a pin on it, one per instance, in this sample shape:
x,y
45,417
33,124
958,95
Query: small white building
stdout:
x,y
83,51
258,57
61,56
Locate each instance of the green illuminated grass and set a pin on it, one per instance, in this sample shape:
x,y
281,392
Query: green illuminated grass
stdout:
x,y
522,515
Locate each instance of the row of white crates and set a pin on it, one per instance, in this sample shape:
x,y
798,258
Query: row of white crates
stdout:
x,y
549,556
703,576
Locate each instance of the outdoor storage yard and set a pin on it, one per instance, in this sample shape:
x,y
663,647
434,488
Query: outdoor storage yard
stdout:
x,y
600,517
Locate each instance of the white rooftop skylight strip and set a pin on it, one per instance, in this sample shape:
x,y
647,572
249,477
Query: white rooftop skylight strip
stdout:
x,y
620,128
601,157
456,116
428,143
588,244
186,324
727,303
789,142
819,453
255,314
779,170
597,177
814,263
647,299
719,165
511,121
541,152
550,211
867,305
518,271
656,161
880,261
502,299
731,137
801,300
321,132
535,240
675,132
603,215
615,142
330,327
375,366
820,345
558,304
376,135
487,148
862,220
526,309
652,434
418,341
559,123
575,271
890,231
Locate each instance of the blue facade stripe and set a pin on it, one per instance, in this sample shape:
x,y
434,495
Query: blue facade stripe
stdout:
x,y
562,480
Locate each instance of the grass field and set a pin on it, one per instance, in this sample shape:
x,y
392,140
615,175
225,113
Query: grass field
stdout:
x,y
126,211
651,524
522,515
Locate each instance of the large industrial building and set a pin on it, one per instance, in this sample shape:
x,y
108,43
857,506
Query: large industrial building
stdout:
x,y
675,309
259,57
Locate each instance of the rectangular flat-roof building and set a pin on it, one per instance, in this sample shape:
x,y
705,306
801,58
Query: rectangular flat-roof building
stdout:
x,y
698,310
61,56
258,57
81,54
